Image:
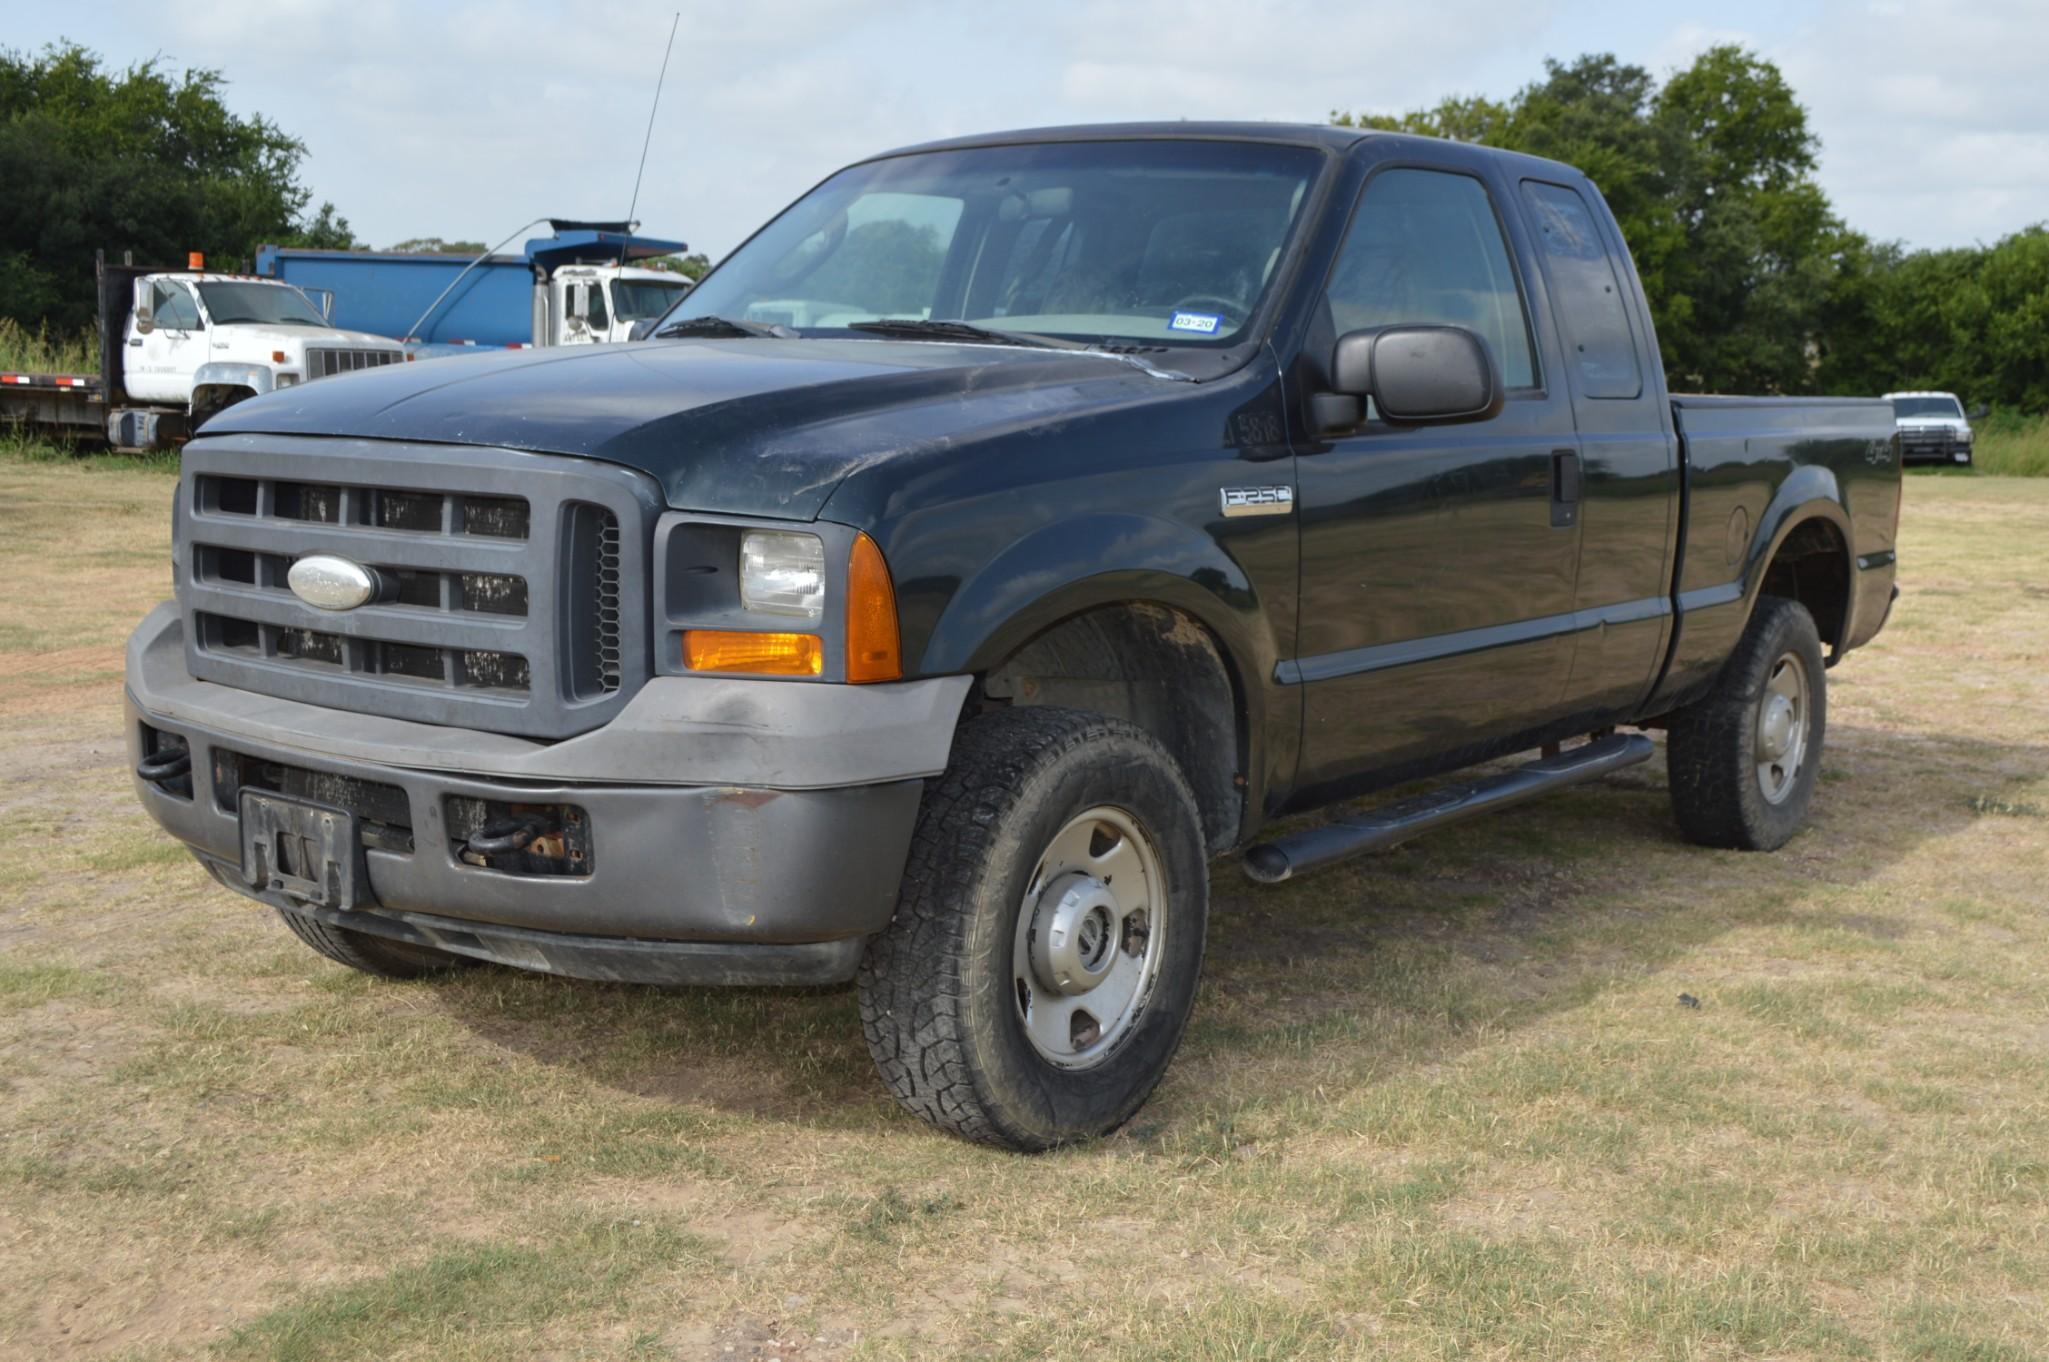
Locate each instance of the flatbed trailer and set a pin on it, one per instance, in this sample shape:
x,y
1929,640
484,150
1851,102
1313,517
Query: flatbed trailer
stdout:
x,y
60,403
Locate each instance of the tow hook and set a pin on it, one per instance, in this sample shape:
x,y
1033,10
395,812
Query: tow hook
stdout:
x,y
167,765
507,835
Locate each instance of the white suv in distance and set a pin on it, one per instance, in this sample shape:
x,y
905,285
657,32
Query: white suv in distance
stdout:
x,y
1933,428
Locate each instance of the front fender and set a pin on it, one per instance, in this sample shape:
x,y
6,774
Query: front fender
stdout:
x,y
227,374
1063,569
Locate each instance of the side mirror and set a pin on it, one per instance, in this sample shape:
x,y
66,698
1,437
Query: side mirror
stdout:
x,y
1980,412
641,329
145,305
1416,375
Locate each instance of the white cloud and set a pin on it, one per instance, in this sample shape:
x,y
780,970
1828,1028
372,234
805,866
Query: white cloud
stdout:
x,y
1933,117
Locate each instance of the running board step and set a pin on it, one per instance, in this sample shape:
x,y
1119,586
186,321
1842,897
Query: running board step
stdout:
x,y
1377,829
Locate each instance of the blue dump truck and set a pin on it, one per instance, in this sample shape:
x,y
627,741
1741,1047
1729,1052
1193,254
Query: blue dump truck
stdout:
x,y
577,287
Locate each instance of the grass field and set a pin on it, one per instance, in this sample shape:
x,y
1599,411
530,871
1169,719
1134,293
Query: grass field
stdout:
x,y
1446,1103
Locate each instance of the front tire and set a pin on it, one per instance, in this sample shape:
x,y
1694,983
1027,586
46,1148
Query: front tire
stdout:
x,y
1744,759
1042,963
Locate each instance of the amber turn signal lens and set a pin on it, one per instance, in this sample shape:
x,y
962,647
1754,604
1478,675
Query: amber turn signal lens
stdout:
x,y
874,652
720,650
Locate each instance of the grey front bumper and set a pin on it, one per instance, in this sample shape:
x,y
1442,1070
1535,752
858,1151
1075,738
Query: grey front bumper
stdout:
x,y
738,827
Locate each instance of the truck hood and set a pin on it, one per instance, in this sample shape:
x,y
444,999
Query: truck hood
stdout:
x,y
255,336
744,426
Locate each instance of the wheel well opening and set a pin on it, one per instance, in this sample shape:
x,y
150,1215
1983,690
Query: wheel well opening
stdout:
x,y
209,398
1154,667
1813,567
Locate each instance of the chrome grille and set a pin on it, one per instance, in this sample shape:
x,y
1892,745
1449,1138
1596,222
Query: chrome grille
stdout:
x,y
511,593
605,609
325,361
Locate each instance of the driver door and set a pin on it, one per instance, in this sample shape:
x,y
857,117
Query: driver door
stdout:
x,y
159,363
1438,561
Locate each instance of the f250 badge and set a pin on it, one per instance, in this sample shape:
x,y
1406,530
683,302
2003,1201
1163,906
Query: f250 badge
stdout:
x,y
1239,501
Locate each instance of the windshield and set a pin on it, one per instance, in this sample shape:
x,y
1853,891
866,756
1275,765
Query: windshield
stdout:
x,y
1167,242
262,304
1940,407
635,300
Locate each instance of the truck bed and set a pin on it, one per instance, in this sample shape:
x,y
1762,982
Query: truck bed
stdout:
x,y
1753,465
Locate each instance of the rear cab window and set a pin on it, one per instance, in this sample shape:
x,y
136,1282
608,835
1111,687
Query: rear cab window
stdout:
x,y
1586,292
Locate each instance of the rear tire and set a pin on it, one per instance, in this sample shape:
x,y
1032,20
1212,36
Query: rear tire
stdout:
x,y
1744,759
1042,963
385,958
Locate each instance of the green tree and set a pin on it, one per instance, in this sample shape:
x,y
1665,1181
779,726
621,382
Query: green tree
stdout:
x,y
434,245
1711,178
141,160
1969,320
1461,118
692,267
326,230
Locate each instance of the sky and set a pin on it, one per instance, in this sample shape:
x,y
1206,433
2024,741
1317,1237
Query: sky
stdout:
x,y
465,120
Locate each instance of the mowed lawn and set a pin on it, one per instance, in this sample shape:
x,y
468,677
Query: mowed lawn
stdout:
x,y
1444,1103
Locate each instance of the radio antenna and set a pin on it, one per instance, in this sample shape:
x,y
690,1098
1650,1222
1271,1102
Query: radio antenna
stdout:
x,y
673,23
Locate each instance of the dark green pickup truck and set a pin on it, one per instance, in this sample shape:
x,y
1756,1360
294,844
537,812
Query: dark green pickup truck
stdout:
x,y
1006,530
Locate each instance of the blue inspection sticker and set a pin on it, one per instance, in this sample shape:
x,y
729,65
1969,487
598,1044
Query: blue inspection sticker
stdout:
x,y
1202,323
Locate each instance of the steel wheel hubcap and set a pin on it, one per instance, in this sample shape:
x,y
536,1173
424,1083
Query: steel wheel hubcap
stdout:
x,y
1782,720
1089,937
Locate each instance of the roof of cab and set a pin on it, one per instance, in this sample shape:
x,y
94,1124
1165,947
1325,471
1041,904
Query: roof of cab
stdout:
x,y
1321,135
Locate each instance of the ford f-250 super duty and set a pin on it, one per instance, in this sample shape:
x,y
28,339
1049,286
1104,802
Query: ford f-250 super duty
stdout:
x,y
1001,533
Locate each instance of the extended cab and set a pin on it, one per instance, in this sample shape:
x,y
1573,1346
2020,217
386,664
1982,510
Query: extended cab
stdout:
x,y
1006,530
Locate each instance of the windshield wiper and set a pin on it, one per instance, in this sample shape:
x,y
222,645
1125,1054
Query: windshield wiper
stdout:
x,y
724,326
923,328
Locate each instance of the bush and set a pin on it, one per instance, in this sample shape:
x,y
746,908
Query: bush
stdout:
x,y
2011,444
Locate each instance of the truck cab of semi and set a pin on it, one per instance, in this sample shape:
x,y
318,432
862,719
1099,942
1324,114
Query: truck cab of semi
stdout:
x,y
179,346
205,341
596,303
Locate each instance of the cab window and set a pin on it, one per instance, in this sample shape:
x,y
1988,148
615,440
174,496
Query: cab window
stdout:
x,y
600,318
1587,290
174,308
1425,248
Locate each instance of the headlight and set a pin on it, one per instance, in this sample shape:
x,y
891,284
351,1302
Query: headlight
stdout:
x,y
782,574
1963,437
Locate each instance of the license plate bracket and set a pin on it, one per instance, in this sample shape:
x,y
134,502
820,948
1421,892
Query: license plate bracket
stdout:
x,y
304,851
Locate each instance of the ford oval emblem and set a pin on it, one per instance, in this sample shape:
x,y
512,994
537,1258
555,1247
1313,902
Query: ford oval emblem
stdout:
x,y
331,583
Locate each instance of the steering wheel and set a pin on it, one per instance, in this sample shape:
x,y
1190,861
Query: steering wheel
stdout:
x,y
1229,309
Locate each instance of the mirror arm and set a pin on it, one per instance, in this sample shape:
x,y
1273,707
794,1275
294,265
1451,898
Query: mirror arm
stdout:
x,y
1336,413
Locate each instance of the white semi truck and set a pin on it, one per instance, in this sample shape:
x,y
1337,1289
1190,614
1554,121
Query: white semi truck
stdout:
x,y
177,346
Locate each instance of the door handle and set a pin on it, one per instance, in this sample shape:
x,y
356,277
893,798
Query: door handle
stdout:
x,y
1565,488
